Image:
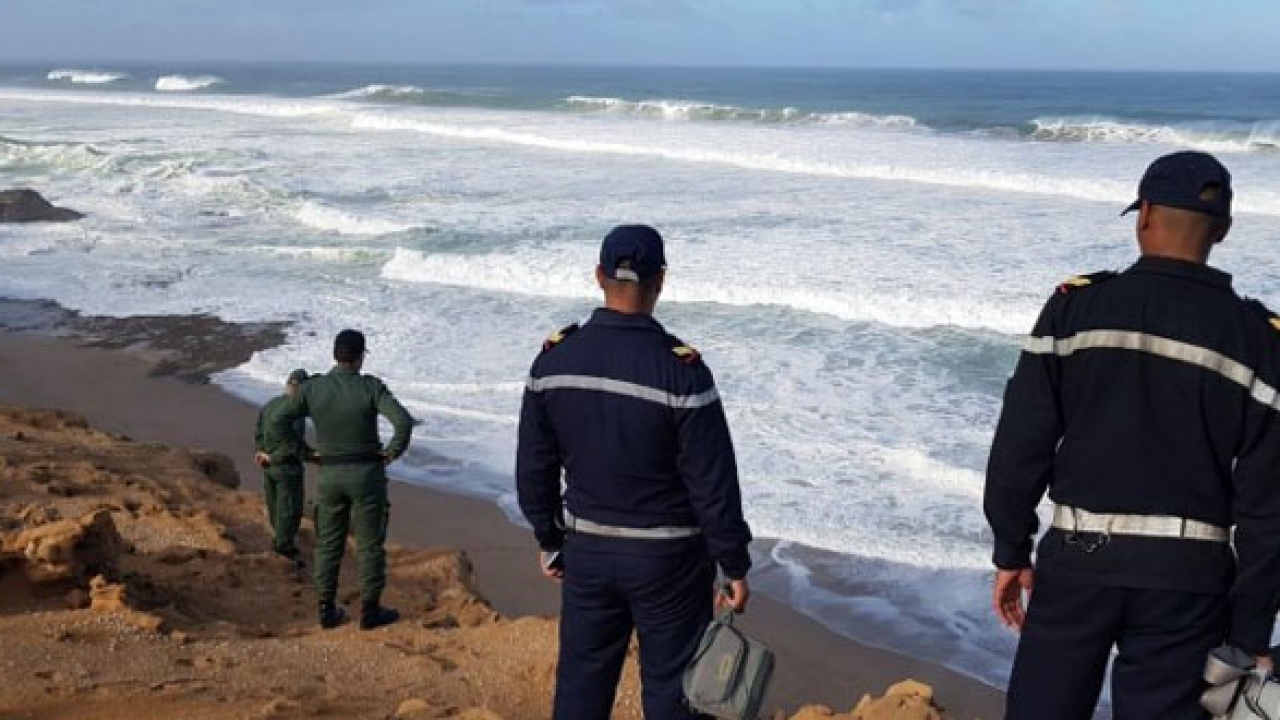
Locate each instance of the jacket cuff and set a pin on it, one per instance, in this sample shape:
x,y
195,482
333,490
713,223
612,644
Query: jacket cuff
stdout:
x,y
737,564
1012,556
1252,619
551,541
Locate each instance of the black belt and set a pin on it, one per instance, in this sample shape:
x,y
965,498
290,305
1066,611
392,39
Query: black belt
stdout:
x,y
350,459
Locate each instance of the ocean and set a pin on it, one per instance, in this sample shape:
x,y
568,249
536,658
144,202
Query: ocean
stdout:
x,y
857,255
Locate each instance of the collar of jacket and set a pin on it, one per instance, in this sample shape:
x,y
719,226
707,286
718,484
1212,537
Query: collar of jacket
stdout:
x,y
612,318
343,370
1182,269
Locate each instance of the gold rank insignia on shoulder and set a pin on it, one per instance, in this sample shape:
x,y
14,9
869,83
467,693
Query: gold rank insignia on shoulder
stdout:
x,y
1070,284
1275,323
558,336
687,355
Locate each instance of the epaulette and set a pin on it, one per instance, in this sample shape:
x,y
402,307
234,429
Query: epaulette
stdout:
x,y
558,336
685,353
1265,312
1080,281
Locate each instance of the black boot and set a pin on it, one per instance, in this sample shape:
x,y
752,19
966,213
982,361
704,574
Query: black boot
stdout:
x,y
373,615
331,616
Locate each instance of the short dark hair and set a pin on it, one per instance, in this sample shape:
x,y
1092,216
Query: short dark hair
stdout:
x,y
348,346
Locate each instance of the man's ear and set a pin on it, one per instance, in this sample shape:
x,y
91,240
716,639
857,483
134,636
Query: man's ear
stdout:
x,y
600,276
1144,215
662,280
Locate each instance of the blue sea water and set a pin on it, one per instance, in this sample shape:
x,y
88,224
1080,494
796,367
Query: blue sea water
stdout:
x,y
856,253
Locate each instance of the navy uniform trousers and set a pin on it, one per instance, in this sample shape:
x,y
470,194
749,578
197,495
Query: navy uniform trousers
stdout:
x,y
1163,638
665,597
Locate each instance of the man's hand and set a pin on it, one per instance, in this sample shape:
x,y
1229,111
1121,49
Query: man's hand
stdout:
x,y
1007,597
262,459
552,565
734,595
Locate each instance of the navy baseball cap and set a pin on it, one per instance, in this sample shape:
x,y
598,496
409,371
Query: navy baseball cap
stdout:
x,y
1187,180
632,252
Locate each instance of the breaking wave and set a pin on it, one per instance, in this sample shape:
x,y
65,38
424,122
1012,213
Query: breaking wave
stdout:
x,y
1242,137
553,276
328,219
183,83
680,110
86,77
384,93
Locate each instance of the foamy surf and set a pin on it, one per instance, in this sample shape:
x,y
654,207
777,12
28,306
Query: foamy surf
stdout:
x,y
1263,136
85,77
332,220
383,92
184,83
686,110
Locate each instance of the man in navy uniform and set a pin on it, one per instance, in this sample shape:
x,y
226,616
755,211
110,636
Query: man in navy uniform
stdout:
x,y
1145,403
652,501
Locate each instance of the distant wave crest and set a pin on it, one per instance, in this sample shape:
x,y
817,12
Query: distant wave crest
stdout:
x,y
85,77
184,83
1239,137
383,92
678,110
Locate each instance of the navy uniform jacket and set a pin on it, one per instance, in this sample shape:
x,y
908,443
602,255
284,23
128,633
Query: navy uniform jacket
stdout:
x,y
636,422
1151,392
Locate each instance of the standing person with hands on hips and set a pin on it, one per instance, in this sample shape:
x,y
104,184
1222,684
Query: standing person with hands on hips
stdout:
x,y
651,504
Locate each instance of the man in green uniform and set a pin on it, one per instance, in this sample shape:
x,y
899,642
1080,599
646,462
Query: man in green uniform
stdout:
x,y
280,453
345,405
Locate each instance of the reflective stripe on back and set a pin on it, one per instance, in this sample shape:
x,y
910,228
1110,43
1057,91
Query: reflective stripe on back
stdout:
x,y
626,389
1211,360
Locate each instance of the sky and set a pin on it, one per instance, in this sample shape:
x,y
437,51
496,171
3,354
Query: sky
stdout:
x,y
1195,35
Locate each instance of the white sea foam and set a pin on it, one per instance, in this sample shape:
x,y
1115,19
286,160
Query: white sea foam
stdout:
x,y
329,219
383,92
185,83
346,254
552,275
259,106
61,156
86,77
673,110
1223,139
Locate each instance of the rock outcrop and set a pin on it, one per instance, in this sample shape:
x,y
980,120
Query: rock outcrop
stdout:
x,y
25,205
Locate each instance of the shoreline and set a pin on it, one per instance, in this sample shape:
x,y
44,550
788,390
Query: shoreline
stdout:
x,y
117,388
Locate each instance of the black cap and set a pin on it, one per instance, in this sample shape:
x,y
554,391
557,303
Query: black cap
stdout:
x,y
632,252
348,346
1187,180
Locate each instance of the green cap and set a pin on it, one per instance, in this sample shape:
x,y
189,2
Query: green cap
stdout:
x,y
297,377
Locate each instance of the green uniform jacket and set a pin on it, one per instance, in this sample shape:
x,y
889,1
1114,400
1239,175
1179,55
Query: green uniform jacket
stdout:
x,y
345,405
284,441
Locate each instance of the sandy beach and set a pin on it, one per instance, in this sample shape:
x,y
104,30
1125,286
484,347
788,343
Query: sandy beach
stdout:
x,y
149,390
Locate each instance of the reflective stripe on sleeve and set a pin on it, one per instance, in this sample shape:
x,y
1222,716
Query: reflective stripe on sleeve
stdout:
x,y
1211,360
621,387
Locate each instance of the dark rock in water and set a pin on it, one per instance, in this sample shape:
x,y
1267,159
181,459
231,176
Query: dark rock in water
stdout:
x,y
25,205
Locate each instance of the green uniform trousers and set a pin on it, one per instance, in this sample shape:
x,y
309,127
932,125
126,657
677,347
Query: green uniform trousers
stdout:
x,y
355,497
284,489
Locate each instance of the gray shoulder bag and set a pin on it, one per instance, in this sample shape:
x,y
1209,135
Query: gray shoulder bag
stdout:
x,y
729,673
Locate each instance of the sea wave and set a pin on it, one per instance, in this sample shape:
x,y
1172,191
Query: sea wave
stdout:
x,y
261,106
683,110
86,77
185,83
19,154
1236,137
329,219
552,275
1262,203
383,92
